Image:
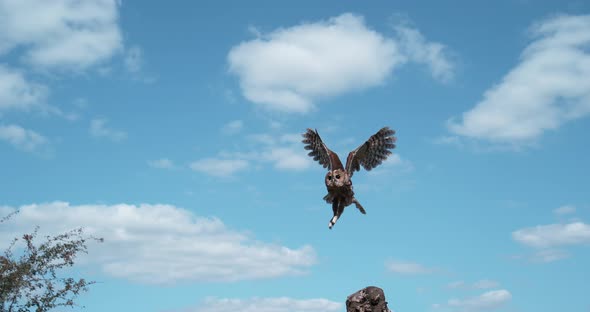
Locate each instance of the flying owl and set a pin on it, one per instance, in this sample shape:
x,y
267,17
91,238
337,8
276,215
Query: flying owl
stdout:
x,y
369,155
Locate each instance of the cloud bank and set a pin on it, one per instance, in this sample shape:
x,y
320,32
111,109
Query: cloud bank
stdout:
x,y
60,34
161,244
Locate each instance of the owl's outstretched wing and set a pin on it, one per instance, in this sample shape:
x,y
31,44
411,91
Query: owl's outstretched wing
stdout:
x,y
320,152
373,152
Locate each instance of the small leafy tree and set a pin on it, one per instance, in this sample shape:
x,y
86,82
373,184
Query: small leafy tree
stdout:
x,y
30,281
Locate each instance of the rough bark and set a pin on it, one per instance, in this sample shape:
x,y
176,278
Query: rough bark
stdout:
x,y
369,299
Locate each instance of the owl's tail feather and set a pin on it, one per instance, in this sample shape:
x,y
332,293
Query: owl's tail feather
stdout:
x,y
359,206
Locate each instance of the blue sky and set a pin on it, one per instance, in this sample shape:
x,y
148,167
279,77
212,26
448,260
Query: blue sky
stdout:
x,y
173,131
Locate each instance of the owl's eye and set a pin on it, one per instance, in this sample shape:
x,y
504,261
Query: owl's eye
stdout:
x,y
337,176
329,177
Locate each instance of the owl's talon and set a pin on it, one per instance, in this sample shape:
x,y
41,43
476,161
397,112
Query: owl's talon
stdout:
x,y
332,222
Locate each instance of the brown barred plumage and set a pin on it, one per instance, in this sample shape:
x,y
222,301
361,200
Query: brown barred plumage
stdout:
x,y
369,155
373,152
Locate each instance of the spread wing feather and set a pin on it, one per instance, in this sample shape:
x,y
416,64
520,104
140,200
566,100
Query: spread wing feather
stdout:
x,y
319,151
373,152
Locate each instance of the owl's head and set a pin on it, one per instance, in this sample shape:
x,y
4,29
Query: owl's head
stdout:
x,y
337,178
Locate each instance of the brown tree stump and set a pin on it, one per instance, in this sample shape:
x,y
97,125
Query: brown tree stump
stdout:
x,y
369,299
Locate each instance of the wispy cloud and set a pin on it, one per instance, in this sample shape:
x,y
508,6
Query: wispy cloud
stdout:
x,y
17,93
219,167
162,163
24,139
99,129
290,68
420,50
549,255
487,301
452,140
282,151
481,284
232,127
407,267
565,210
554,235
161,244
287,158
549,239
549,87
393,164
133,59
279,304
485,284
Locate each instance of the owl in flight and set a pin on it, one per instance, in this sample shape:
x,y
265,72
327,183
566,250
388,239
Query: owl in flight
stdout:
x,y
369,155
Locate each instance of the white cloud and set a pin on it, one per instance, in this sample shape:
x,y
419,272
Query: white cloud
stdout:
x,y
290,68
133,59
549,87
162,163
548,240
161,244
219,167
279,304
406,267
288,158
553,235
53,36
233,127
24,139
61,33
564,210
487,301
285,151
18,93
419,50
99,129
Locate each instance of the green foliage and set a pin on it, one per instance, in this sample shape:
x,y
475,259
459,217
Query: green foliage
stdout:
x,y
30,281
